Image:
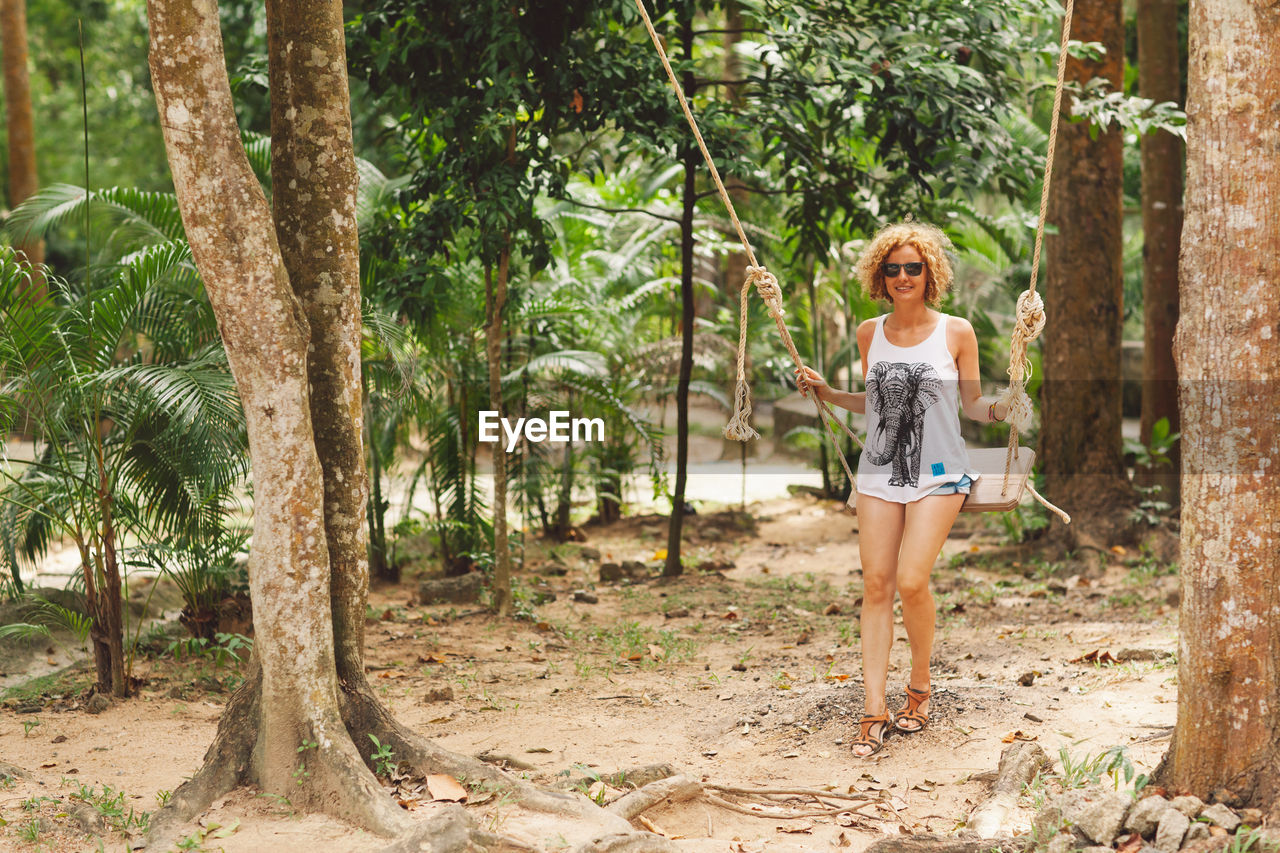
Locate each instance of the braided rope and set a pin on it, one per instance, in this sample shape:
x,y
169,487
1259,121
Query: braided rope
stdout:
x,y
766,284
1030,312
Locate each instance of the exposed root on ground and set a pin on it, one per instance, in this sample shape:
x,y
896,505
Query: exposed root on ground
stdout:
x,y
365,715
333,780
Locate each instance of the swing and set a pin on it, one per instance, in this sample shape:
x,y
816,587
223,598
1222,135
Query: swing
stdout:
x,y
987,494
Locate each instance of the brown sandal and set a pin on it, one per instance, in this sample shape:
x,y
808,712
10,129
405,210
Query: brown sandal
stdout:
x,y
865,738
912,713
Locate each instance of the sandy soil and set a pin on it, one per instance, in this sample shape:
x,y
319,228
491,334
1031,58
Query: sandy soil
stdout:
x,y
746,675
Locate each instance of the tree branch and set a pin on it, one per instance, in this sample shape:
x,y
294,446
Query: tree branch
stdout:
x,y
761,191
662,216
734,31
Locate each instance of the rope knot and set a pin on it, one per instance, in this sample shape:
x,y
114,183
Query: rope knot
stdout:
x,y
766,285
1030,315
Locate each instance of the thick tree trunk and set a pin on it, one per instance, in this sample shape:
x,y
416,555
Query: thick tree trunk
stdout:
x,y
298,724
1080,442
314,183
1228,351
299,745
1161,80
19,126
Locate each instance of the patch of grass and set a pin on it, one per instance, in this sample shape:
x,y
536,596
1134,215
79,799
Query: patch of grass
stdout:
x,y
1112,763
111,805
69,681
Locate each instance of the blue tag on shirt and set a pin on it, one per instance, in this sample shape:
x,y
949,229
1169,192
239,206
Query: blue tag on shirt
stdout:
x,y
939,469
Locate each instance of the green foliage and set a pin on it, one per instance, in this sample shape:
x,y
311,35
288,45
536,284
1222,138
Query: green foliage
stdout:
x,y
225,649
1156,453
1112,763
138,434
382,757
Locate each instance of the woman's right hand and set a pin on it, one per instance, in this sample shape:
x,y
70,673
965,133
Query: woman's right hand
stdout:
x,y
808,379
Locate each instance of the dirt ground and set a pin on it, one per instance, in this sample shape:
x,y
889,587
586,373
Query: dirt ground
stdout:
x,y
743,673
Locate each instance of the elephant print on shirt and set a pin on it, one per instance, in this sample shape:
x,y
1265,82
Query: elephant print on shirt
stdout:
x,y
900,394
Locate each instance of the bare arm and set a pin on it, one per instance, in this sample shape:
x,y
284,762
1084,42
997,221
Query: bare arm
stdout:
x,y
964,343
808,379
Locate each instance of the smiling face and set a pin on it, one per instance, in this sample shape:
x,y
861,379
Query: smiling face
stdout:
x,y
905,287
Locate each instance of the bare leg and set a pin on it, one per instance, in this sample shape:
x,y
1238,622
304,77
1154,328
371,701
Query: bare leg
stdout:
x,y
928,521
880,525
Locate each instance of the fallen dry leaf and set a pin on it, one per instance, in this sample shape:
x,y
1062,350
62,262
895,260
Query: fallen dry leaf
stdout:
x,y
1018,735
445,789
803,828
1098,656
1131,843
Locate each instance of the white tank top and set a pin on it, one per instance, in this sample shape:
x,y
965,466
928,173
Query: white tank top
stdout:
x,y
913,423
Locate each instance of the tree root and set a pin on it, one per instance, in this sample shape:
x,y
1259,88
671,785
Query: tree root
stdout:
x,y
630,842
452,830
365,715
333,780
674,789
1019,763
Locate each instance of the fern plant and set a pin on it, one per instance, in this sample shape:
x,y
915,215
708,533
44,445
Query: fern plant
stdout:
x,y
138,432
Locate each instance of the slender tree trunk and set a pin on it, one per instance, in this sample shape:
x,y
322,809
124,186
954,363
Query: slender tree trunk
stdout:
x,y
1161,80
19,126
1080,437
495,304
675,530
1227,740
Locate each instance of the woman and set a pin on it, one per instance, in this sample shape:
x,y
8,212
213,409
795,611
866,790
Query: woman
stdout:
x,y
919,366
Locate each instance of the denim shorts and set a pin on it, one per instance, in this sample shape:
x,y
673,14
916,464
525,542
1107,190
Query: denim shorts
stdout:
x,y
960,487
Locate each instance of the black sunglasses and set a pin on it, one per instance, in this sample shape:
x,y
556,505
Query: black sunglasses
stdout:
x,y
892,270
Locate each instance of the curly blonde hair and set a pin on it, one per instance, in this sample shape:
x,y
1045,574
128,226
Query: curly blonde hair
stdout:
x,y
928,240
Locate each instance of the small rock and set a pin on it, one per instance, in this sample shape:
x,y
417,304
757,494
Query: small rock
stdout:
x,y
555,570
1169,834
1222,816
1188,805
1097,849
1063,842
1197,831
788,719
443,693
1101,819
590,554
1126,655
1252,817
1212,844
610,572
1144,817
97,704
635,569
464,589
676,613
585,597
1027,678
